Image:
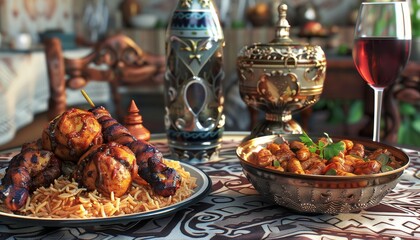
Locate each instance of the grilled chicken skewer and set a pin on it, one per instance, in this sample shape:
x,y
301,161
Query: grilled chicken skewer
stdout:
x,y
39,163
28,170
107,168
76,137
163,179
71,134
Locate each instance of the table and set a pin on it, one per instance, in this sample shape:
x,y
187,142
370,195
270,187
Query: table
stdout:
x,y
233,209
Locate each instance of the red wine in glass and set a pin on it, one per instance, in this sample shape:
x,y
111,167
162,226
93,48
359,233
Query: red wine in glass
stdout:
x,y
380,60
382,42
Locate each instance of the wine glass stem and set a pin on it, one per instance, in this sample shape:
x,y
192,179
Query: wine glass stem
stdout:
x,y
377,114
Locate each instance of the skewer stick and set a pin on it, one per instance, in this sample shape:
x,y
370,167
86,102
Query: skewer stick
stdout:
x,y
87,98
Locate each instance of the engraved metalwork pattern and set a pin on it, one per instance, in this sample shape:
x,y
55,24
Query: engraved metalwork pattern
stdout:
x,y
186,3
319,193
189,3
280,80
194,117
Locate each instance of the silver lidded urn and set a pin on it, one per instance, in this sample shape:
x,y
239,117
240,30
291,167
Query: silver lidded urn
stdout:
x,y
281,77
194,119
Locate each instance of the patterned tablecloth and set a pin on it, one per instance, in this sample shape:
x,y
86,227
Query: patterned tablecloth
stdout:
x,y
233,209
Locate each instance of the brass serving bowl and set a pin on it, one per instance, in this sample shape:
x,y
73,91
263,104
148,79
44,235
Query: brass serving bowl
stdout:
x,y
319,193
280,78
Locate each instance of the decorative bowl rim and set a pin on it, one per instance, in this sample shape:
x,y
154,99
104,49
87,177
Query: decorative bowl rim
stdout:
x,y
403,156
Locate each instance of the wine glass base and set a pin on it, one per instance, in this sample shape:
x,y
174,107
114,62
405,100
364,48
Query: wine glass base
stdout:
x,y
267,127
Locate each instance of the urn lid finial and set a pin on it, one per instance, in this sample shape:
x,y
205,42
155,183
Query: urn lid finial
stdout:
x,y
282,26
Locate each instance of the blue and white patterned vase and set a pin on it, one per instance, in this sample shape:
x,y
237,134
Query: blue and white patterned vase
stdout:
x,y
194,117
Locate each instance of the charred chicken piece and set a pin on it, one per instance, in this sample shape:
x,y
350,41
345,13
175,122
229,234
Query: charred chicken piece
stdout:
x,y
107,168
28,170
71,134
163,179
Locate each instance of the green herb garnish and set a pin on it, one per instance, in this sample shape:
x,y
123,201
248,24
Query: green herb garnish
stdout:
x,y
331,171
386,168
384,159
326,150
276,163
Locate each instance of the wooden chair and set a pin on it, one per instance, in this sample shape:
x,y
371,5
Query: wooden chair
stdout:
x,y
122,63
407,90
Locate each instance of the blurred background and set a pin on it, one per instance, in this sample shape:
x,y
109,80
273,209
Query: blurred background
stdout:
x,y
328,23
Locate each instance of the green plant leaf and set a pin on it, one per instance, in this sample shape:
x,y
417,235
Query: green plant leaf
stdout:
x,y
407,109
416,125
409,133
333,149
337,114
355,112
403,131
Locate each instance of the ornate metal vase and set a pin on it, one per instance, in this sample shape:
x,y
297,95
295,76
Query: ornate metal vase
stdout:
x,y
280,78
193,95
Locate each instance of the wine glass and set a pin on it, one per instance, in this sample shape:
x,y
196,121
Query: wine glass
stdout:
x,y
382,43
